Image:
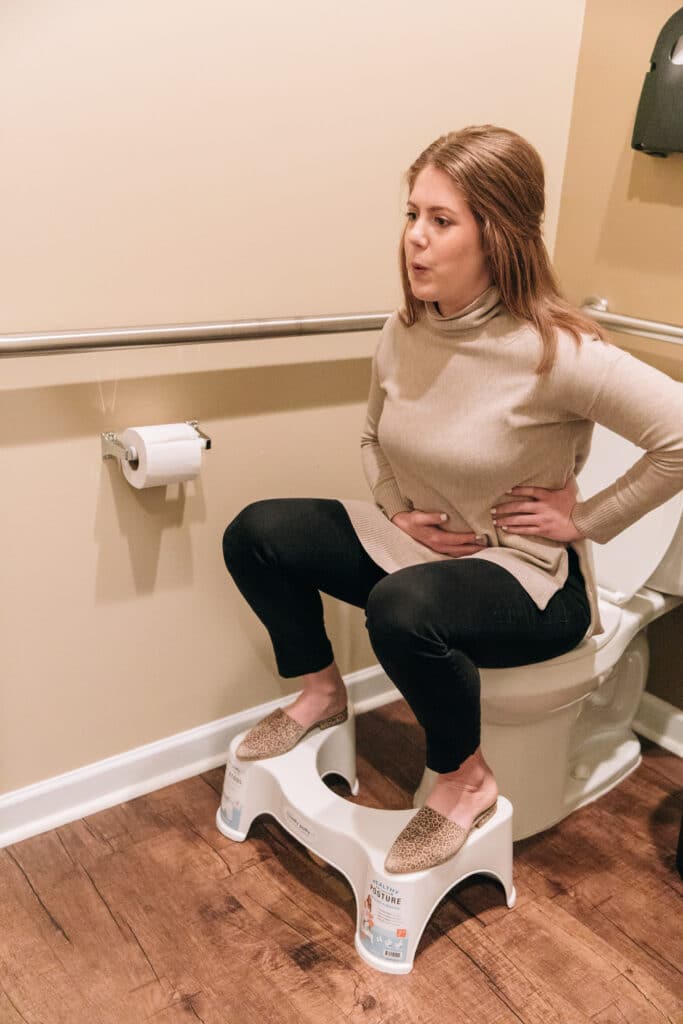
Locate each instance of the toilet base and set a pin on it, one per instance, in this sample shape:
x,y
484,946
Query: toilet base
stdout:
x,y
604,763
545,799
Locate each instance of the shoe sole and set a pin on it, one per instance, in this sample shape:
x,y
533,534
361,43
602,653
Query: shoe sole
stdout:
x,y
485,816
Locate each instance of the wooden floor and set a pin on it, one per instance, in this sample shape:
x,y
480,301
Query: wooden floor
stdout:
x,y
146,913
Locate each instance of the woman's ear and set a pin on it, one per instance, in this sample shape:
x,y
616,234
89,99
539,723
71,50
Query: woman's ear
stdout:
x,y
487,235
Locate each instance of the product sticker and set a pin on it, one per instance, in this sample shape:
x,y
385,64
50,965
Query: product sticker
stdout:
x,y
231,812
383,919
233,786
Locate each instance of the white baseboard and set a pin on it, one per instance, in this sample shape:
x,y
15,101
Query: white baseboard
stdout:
x,y
660,722
95,787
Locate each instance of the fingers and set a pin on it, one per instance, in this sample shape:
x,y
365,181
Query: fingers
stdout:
x,y
429,518
537,493
454,540
466,549
455,544
530,522
512,507
528,492
519,521
439,535
433,534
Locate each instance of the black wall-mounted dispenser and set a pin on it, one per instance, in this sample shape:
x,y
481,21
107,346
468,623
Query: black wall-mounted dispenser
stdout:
x,y
659,122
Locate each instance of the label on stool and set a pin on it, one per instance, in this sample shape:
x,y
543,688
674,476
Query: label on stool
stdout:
x,y
295,824
231,804
383,919
231,812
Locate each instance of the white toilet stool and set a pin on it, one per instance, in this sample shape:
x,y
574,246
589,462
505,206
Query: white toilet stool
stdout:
x,y
391,910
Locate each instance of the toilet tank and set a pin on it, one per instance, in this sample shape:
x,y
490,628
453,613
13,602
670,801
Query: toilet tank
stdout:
x,y
650,551
668,576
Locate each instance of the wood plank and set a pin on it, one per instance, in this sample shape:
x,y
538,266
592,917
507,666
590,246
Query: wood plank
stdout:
x,y
554,959
45,860
126,824
663,762
507,970
630,1005
82,844
97,950
658,984
9,1014
192,806
655,925
327,927
31,975
629,979
625,859
195,931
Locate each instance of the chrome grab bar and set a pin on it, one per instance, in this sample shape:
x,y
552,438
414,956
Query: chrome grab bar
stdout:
x,y
251,330
187,334
598,308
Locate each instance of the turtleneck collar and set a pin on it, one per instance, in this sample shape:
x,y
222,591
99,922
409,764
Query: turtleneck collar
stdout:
x,y
485,307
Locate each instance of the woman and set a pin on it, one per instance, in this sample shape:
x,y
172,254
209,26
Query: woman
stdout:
x,y
484,391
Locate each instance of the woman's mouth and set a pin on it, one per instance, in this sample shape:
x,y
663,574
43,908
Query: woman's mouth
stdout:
x,y
418,268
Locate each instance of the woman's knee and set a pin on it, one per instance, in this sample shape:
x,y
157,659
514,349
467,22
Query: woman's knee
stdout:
x,y
398,606
249,527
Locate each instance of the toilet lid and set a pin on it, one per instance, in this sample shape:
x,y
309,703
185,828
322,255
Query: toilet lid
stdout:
x,y
625,563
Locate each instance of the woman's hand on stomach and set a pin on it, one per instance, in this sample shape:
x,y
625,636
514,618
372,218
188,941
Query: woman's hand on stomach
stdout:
x,y
539,511
428,529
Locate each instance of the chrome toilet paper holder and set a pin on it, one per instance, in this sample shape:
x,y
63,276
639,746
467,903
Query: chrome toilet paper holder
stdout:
x,y
113,448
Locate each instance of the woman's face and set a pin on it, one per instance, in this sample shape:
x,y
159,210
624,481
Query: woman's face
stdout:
x,y
442,244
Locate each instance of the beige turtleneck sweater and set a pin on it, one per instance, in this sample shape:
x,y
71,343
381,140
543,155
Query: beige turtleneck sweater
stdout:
x,y
457,415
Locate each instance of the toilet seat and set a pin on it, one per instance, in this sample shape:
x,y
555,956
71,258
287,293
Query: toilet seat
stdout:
x,y
512,694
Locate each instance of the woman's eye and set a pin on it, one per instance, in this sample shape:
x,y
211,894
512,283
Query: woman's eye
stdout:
x,y
411,215
442,222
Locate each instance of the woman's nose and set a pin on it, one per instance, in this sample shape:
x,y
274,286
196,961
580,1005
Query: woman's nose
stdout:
x,y
415,233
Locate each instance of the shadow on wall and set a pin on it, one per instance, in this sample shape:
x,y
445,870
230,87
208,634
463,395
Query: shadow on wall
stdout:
x,y
638,230
73,411
656,179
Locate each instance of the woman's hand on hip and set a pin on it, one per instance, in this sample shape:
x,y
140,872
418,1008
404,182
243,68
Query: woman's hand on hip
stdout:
x,y
428,529
540,512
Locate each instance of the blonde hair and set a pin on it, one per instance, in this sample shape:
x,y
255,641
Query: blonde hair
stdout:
x,y
501,177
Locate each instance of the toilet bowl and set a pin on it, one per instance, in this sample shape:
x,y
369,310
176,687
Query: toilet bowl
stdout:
x,y
557,733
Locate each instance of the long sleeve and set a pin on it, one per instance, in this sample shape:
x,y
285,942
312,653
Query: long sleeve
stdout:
x,y
378,471
646,407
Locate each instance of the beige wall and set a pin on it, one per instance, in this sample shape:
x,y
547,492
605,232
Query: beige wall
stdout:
x,y
182,162
620,231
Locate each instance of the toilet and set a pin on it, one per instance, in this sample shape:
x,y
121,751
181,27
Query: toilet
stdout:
x,y
558,734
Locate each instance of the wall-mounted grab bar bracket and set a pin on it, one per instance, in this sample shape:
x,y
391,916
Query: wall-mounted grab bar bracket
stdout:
x,y
596,302
598,308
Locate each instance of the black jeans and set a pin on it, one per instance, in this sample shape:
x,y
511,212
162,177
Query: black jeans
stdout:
x,y
431,626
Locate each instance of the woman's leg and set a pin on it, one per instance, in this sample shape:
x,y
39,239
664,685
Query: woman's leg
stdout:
x,y
281,553
432,626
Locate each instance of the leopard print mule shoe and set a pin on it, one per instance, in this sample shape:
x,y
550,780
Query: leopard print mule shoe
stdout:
x,y
277,733
429,839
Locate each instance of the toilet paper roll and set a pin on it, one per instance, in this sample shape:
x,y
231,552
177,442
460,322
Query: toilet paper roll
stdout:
x,y
167,453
